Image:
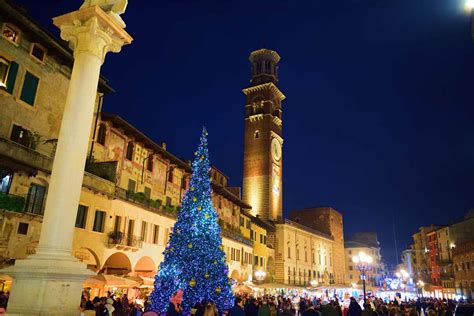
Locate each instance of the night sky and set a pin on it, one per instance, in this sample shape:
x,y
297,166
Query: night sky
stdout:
x,y
378,120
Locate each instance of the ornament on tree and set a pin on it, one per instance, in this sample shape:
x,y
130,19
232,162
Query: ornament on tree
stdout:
x,y
206,216
196,254
194,199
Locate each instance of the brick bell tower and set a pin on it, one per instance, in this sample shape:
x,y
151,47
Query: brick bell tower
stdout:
x,y
262,181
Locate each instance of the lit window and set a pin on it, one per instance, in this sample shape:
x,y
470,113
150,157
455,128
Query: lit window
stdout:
x,y
38,52
4,67
10,33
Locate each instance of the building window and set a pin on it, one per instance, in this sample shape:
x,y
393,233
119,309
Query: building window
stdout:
x,y
5,181
256,135
147,192
264,240
289,253
261,238
81,216
35,199
248,224
101,134
149,163
170,175
99,221
261,261
144,231
30,87
8,72
156,232
11,33
350,252
22,229
255,260
38,52
168,201
183,183
350,268
20,135
131,185
129,155
118,223
242,221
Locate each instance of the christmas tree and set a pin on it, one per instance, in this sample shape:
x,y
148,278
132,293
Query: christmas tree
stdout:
x,y
194,257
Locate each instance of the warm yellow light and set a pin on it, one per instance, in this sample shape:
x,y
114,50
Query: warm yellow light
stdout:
x,y
355,259
369,259
422,283
402,286
469,5
353,284
398,274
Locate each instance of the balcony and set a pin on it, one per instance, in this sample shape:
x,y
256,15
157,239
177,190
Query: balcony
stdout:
x,y
21,204
124,242
24,158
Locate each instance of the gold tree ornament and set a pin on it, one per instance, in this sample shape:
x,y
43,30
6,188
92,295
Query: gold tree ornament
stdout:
x,y
194,199
215,262
192,283
206,275
195,153
206,216
192,188
202,157
190,245
199,208
218,290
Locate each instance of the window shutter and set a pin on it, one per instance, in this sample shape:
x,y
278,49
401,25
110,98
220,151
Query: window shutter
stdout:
x,y
11,77
30,85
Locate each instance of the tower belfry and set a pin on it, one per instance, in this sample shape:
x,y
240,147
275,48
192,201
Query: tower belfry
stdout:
x,y
262,179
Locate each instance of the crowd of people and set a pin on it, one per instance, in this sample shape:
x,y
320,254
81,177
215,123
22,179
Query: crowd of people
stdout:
x,y
270,305
110,305
281,306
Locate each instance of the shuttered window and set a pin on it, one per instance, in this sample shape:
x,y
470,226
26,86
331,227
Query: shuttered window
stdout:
x,y
8,72
81,216
30,87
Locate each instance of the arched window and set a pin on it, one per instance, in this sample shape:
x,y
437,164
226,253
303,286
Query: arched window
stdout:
x,y
101,134
256,135
129,151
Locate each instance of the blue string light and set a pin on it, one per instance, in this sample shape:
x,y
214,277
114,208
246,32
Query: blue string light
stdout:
x,y
194,257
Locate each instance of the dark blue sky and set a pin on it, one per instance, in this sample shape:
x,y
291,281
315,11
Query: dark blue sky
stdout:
x,y
378,118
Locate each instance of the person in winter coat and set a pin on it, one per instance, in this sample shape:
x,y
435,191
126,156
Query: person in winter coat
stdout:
x,y
354,308
263,309
238,309
109,305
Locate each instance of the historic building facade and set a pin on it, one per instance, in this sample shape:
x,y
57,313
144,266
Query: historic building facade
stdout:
x,y
433,248
132,186
367,243
305,250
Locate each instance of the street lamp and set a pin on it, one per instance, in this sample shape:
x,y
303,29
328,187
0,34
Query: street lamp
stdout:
x,y
363,262
469,5
403,276
260,275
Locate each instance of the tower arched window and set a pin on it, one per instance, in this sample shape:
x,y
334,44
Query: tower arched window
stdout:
x,y
129,155
256,135
101,134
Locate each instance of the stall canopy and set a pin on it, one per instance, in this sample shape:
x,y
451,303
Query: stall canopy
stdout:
x,y
144,282
107,280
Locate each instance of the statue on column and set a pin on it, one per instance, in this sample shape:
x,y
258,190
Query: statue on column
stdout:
x,y
114,8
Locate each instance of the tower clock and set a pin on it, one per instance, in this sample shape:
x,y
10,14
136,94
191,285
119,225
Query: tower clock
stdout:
x,y
262,181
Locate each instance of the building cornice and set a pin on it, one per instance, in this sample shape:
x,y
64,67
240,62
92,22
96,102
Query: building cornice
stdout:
x,y
269,85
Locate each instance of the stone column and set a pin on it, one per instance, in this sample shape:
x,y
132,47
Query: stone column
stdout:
x,y
50,282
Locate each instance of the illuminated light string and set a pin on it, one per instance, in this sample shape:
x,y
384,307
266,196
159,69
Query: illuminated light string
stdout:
x,y
194,258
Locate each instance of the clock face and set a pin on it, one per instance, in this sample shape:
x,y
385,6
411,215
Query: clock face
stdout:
x,y
276,149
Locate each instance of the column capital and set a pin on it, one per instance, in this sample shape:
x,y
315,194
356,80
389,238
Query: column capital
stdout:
x,y
91,30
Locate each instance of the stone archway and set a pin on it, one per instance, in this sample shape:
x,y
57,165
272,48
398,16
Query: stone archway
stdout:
x,y
89,257
145,266
118,264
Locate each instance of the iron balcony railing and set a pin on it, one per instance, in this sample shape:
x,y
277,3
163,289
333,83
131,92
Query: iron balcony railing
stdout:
x,y
119,238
